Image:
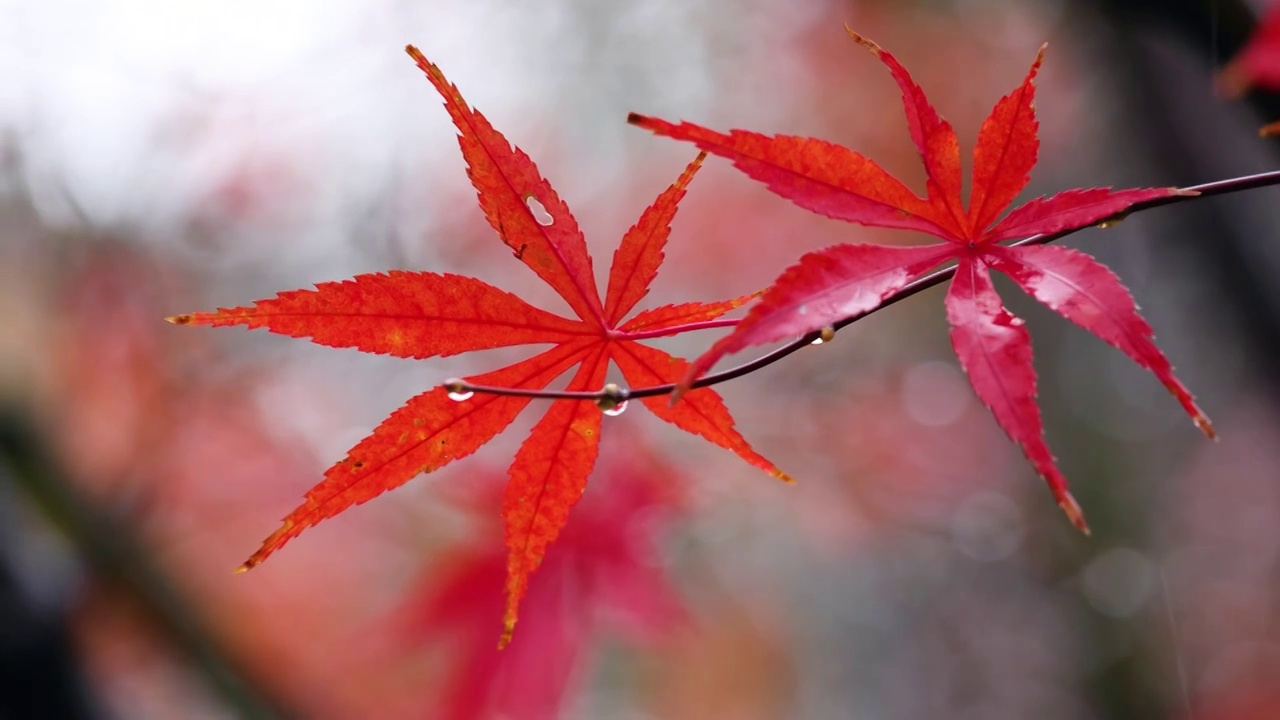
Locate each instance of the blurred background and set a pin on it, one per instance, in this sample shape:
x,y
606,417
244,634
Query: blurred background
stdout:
x,y
160,158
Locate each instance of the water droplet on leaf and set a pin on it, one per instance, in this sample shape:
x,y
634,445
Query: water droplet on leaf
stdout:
x,y
539,212
1112,221
460,396
617,410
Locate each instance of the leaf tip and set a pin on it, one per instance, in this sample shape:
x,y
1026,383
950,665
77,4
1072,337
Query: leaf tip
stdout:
x,y
433,73
1198,416
635,118
863,41
508,630
1074,512
1202,421
180,319
245,567
1035,65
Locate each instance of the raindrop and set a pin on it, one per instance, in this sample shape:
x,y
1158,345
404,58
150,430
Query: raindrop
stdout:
x,y
1112,221
613,400
539,212
457,390
827,334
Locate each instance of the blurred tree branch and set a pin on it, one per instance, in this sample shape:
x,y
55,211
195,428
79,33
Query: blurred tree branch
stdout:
x,y
1226,255
1137,40
119,559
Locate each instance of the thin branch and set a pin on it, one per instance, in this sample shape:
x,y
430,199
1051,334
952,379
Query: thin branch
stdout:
x,y
678,329
1219,187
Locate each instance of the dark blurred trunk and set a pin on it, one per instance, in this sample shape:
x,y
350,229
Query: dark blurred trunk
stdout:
x,y
39,674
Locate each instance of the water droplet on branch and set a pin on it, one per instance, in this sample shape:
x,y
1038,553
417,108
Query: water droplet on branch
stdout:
x,y
457,390
826,335
1112,221
613,401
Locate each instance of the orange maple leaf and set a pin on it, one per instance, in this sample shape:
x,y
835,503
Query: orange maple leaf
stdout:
x,y
423,314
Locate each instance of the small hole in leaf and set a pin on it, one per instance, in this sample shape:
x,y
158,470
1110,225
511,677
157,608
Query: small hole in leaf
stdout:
x,y
538,211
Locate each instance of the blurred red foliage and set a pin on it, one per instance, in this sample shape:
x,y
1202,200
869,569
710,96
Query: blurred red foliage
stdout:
x,y
1258,62
603,577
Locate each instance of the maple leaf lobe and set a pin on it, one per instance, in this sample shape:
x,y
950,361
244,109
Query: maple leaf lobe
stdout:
x,y
504,178
640,254
428,432
1089,294
994,350
1006,151
547,477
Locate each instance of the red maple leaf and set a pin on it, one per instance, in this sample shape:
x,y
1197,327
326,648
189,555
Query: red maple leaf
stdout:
x,y
423,314
844,280
1258,62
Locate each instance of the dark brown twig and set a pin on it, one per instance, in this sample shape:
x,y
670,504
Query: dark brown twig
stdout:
x,y
1219,187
